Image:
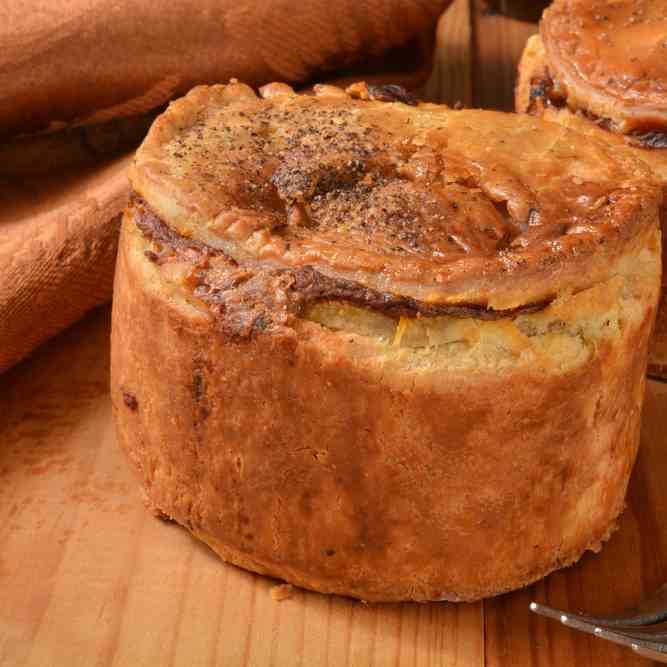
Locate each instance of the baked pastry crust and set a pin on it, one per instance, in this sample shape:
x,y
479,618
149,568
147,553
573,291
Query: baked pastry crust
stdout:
x,y
610,60
359,193
358,355
618,95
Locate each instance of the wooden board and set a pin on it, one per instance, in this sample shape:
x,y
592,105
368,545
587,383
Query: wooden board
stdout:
x,y
88,577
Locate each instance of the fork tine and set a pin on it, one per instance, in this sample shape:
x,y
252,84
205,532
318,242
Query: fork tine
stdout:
x,y
549,612
650,611
567,619
654,633
657,650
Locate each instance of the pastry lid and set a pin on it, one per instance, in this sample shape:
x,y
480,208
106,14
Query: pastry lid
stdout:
x,y
418,200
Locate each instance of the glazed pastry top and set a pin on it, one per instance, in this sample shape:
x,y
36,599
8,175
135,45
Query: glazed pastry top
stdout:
x,y
609,57
417,200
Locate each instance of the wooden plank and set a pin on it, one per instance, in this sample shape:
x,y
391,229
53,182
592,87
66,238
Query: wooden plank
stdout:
x,y
451,80
497,46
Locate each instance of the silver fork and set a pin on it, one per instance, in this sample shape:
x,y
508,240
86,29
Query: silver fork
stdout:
x,y
642,628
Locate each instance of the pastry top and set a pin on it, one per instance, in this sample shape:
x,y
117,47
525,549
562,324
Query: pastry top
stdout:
x,y
610,58
537,94
415,200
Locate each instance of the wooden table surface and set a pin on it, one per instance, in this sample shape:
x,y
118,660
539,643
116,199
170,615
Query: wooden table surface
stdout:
x,y
88,577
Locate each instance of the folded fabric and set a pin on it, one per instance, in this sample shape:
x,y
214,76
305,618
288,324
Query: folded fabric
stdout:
x,y
80,81
64,61
57,251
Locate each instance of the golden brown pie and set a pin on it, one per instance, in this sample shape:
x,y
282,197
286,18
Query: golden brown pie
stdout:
x,y
381,348
600,67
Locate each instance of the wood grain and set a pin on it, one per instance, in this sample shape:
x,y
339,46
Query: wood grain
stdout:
x,y
88,577
451,80
497,45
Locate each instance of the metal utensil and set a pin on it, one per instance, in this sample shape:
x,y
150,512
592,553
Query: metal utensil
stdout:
x,y
642,628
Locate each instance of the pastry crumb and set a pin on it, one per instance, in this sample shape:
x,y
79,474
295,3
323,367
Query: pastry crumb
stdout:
x,y
282,592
